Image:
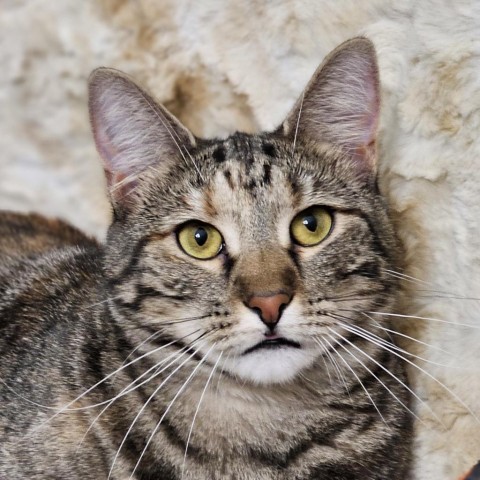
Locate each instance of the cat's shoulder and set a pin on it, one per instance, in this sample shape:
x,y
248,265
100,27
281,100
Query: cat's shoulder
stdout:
x,y
43,261
29,235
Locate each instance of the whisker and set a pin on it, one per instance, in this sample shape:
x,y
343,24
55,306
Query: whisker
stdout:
x,y
356,376
160,331
352,295
370,371
183,320
403,335
221,373
140,345
139,413
102,302
322,345
128,389
404,385
156,367
198,408
405,277
298,123
447,295
415,317
340,375
176,321
453,394
382,341
66,409
168,409
376,324
349,299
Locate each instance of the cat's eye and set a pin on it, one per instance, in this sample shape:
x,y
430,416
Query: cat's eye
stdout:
x,y
311,226
200,240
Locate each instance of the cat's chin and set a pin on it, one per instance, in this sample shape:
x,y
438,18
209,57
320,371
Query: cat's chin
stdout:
x,y
266,367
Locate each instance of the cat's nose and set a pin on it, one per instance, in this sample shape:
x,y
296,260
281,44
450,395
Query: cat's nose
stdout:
x,y
269,307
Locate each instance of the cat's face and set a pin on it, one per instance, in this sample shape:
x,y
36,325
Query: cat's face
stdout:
x,y
256,247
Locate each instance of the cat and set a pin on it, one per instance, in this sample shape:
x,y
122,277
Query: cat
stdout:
x,y
222,331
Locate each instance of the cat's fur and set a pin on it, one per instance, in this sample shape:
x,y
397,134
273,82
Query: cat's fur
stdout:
x,y
72,311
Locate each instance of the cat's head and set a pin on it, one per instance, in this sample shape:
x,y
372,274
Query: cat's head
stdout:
x,y
255,247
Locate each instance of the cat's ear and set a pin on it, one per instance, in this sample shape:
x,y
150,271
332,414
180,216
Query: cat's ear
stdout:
x,y
341,103
132,131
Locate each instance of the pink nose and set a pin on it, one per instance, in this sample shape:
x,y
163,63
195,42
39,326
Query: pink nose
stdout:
x,y
269,307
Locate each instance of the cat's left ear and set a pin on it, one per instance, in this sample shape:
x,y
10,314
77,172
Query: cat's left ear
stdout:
x,y
341,103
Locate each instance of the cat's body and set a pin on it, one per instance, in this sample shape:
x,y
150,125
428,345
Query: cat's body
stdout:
x,y
248,331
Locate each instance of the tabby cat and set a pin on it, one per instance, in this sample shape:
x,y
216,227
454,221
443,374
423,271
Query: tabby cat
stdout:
x,y
223,330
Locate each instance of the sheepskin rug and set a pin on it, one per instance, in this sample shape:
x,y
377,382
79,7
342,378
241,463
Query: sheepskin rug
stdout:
x,y
225,65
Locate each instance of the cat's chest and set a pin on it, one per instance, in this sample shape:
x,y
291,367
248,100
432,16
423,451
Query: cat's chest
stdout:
x,y
238,434
238,415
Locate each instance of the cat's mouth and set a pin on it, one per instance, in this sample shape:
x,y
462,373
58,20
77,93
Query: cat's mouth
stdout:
x,y
272,343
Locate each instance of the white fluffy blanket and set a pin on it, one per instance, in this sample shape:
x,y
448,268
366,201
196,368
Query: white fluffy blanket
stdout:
x,y
222,65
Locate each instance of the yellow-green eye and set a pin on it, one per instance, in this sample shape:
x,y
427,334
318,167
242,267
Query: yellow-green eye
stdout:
x,y
200,240
311,226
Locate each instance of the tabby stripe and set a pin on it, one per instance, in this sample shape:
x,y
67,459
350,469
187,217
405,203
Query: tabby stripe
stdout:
x,y
145,292
284,459
137,249
151,465
376,237
369,269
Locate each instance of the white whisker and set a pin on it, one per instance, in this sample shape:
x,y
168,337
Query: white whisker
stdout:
x,y
102,302
454,395
298,123
168,409
65,407
370,372
356,376
128,389
403,335
139,413
386,370
220,375
198,408
325,349
405,277
382,342
415,317
441,293
340,375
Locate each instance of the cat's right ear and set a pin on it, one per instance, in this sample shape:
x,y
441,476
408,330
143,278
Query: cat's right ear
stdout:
x,y
132,132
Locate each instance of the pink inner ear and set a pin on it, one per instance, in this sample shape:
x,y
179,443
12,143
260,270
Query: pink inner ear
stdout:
x,y
364,149
116,176
372,108
353,92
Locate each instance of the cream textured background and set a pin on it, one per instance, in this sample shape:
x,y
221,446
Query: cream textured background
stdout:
x,y
222,65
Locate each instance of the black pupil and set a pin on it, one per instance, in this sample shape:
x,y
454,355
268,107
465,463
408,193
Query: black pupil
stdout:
x,y
310,222
201,236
